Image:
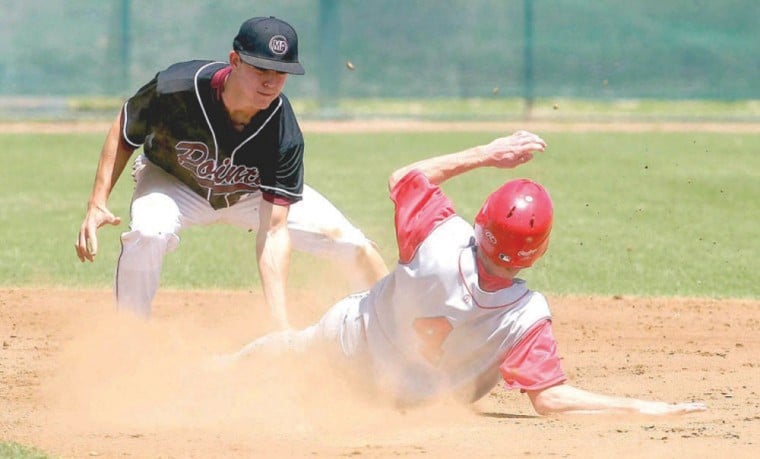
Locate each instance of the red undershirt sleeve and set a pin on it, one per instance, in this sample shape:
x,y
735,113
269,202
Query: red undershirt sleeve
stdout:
x,y
420,207
533,364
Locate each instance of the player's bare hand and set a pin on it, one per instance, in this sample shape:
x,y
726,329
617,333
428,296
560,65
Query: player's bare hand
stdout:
x,y
672,409
87,241
513,150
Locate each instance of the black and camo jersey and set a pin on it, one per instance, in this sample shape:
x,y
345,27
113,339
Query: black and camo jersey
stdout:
x,y
184,128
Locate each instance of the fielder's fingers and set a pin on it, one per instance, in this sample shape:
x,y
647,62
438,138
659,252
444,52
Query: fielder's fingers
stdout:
x,y
78,248
81,246
87,245
92,246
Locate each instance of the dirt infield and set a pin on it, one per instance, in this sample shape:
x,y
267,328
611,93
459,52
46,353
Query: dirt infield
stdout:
x,y
79,380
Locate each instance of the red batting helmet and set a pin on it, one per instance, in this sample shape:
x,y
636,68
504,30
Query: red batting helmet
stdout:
x,y
512,228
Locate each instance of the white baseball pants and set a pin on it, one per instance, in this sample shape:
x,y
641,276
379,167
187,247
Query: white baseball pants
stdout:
x,y
340,333
162,207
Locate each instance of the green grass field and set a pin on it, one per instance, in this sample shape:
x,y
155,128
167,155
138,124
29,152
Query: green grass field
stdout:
x,y
639,213
16,451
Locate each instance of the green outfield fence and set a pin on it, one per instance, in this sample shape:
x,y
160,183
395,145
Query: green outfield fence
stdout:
x,y
601,50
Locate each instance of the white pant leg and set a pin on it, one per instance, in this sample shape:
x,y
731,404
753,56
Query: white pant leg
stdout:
x,y
161,207
339,332
342,327
318,227
243,214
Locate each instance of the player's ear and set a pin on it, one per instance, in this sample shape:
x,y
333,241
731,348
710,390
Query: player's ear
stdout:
x,y
234,58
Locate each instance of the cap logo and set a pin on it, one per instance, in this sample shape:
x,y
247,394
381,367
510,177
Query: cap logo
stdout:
x,y
278,45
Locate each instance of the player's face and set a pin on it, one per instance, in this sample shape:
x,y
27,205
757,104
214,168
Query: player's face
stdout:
x,y
496,270
261,86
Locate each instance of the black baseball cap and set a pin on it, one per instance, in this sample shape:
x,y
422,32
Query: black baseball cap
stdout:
x,y
269,43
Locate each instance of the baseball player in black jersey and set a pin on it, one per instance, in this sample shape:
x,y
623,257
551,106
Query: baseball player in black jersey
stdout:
x,y
221,144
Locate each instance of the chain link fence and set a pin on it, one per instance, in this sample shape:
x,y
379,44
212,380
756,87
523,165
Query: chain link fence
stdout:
x,y
56,51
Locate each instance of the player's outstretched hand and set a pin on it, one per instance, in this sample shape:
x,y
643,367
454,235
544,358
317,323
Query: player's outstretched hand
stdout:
x,y
672,409
513,150
567,399
87,241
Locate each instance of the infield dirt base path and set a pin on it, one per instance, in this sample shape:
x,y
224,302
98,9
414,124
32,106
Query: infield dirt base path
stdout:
x,y
79,380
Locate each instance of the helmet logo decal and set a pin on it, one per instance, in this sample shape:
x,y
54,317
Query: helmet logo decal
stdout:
x,y
504,258
278,45
491,238
526,253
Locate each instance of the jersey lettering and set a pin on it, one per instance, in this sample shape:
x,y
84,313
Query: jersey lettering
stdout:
x,y
432,332
219,178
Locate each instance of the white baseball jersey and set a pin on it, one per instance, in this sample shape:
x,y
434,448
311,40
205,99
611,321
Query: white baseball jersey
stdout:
x,y
430,328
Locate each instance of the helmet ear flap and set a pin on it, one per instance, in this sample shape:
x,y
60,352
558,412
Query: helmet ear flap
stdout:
x,y
513,225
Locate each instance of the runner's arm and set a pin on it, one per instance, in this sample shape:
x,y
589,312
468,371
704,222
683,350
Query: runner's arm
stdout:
x,y
504,152
567,399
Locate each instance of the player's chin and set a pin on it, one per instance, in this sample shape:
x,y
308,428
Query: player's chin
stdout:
x,y
263,101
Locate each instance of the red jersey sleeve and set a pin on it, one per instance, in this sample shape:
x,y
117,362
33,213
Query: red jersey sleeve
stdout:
x,y
533,364
420,207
